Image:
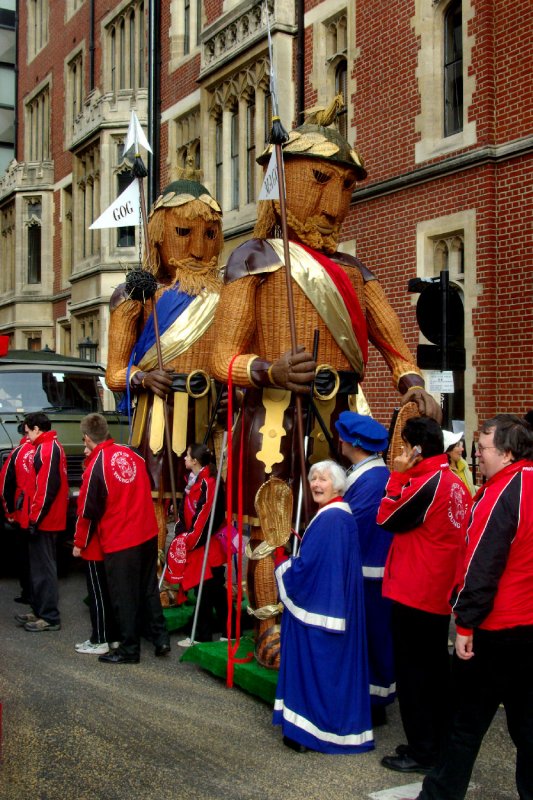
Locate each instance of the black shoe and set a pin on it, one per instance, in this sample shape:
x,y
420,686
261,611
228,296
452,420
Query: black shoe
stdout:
x,y
405,763
403,750
21,599
117,658
296,746
162,649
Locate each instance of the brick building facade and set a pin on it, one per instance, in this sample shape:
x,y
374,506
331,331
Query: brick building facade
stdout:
x,y
438,100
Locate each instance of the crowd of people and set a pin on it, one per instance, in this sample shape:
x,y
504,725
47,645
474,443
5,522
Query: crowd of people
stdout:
x,y
367,595
449,552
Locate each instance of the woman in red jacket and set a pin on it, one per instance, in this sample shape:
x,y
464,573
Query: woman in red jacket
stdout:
x,y
186,552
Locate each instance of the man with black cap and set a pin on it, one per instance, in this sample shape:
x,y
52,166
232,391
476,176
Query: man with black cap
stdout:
x,y
363,439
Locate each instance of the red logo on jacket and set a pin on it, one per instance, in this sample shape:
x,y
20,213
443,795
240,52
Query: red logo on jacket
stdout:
x,y
123,466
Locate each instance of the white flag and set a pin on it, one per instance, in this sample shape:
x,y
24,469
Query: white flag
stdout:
x,y
270,187
135,136
125,211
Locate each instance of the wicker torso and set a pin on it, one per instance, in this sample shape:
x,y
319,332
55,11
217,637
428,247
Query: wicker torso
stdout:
x,y
128,318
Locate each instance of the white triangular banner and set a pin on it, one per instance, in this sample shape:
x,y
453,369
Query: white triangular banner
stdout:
x,y
135,136
270,187
123,212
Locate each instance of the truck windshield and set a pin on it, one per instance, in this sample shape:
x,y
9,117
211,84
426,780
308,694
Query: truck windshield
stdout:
x,y
22,392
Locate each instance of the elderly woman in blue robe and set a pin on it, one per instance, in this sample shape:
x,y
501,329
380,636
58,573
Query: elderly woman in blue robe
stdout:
x,y
322,697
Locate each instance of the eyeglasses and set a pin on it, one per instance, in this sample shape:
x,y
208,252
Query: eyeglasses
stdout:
x,y
482,447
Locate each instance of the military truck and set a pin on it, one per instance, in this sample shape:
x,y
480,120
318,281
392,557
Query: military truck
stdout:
x,y
66,389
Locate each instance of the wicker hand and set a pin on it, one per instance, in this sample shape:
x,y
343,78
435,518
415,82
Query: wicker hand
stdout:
x,y
157,381
427,405
294,371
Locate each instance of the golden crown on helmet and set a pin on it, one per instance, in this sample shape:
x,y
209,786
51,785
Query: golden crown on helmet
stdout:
x,y
319,138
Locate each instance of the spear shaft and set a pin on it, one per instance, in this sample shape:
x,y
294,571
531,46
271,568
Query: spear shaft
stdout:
x,y
292,324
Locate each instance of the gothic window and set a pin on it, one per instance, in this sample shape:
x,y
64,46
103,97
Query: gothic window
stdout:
x,y
239,127
75,88
87,203
235,158
337,65
453,69
250,152
184,143
66,231
185,27
268,118
34,230
126,49
37,26
446,80
126,234
38,127
219,155
7,249
341,74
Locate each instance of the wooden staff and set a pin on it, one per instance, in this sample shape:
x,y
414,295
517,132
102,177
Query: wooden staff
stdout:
x,y
277,137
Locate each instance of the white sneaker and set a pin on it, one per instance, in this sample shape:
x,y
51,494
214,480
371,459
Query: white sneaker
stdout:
x,y
98,649
187,642
113,645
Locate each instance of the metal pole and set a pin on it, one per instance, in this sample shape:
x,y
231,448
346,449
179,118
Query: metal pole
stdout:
x,y
444,289
209,532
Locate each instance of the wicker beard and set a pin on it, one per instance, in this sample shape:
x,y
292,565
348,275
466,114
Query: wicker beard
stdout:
x,y
193,275
308,233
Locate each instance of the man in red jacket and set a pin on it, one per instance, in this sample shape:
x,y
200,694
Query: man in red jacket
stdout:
x,y
426,507
47,518
493,607
16,484
115,495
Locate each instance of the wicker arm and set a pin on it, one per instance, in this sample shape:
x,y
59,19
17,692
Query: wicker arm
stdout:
x,y
385,333
234,328
123,332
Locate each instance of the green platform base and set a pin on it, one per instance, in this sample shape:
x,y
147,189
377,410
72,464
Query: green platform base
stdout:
x,y
250,676
177,617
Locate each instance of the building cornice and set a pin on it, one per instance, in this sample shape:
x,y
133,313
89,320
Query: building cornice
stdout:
x,y
239,30
448,166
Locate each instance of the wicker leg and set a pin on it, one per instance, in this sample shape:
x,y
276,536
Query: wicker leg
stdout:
x,y
262,594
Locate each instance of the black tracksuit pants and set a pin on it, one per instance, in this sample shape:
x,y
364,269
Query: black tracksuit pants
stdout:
x,y
500,671
422,664
132,581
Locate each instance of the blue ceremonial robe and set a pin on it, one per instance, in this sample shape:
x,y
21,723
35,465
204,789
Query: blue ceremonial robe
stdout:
x,y
322,698
366,486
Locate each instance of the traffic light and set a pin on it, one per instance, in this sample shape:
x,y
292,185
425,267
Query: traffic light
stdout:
x,y
440,317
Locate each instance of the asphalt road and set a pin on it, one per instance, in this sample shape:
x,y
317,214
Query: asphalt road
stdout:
x,y
163,730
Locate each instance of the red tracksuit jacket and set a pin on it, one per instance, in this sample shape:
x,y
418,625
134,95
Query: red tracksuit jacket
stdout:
x,y
115,494
50,500
17,483
496,591
426,508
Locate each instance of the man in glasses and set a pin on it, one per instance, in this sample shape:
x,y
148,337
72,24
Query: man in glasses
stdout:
x,y
493,606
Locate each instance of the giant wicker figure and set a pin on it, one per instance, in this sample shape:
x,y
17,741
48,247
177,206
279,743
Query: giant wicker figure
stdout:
x,y
185,239
333,293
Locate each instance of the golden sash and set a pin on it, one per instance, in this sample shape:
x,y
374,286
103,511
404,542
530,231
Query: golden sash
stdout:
x,y
177,339
184,331
320,290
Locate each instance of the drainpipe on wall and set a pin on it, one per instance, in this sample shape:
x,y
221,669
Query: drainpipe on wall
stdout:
x,y
154,98
91,46
16,70
300,62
